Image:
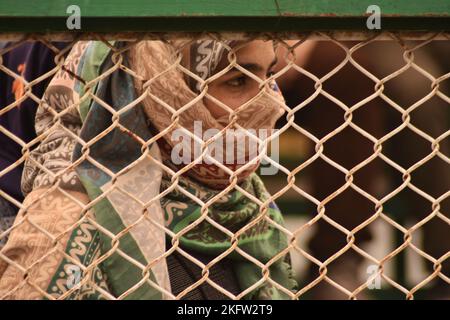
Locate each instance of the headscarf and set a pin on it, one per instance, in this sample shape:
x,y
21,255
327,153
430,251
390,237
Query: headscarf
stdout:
x,y
171,87
133,212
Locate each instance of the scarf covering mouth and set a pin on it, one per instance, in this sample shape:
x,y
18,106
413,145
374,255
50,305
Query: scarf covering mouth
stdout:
x,y
128,203
168,89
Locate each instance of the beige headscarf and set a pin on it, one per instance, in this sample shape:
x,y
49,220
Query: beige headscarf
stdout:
x,y
168,91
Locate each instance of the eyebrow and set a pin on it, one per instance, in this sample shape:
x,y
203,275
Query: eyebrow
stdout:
x,y
254,67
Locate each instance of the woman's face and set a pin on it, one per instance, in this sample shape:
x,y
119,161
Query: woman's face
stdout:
x,y
235,88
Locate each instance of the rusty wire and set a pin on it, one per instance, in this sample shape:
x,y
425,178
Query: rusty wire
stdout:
x,y
294,248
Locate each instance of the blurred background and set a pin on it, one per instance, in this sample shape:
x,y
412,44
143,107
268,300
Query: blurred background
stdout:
x,y
348,148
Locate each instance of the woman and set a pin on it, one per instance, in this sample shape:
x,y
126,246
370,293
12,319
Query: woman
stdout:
x,y
109,210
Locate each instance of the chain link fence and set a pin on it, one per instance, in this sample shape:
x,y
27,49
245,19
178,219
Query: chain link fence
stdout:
x,y
355,156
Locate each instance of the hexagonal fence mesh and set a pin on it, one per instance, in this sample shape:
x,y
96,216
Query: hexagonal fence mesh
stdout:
x,y
225,167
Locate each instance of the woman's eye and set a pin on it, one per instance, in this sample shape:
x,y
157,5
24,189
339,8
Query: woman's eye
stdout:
x,y
237,82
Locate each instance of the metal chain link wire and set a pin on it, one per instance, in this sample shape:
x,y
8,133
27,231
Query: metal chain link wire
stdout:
x,y
294,248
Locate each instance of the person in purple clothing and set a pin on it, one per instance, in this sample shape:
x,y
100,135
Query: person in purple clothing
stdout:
x,y
29,60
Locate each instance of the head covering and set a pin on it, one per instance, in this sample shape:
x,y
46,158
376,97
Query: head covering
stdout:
x,y
202,58
167,92
135,203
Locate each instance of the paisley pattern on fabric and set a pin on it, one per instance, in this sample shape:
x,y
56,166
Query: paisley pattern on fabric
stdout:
x,y
99,232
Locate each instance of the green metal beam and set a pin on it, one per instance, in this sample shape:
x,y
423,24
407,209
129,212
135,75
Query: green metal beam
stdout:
x,y
221,15
222,8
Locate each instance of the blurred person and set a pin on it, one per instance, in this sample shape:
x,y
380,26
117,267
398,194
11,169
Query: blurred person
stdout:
x,y
29,61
